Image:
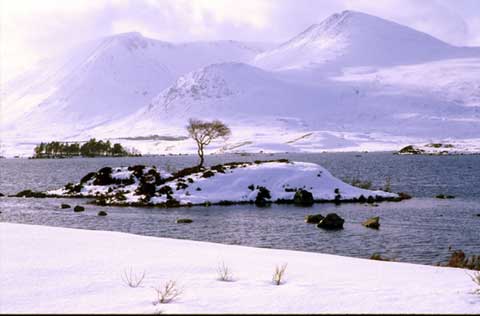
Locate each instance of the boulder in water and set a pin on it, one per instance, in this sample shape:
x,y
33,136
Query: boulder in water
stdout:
x,y
373,222
331,221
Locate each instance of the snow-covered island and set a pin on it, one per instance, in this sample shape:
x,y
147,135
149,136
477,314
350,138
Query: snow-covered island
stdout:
x,y
60,270
440,149
259,182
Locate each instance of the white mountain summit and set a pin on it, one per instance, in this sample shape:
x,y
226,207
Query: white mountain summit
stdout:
x,y
352,82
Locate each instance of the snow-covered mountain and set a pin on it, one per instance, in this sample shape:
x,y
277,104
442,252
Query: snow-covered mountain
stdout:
x,y
352,82
104,80
357,39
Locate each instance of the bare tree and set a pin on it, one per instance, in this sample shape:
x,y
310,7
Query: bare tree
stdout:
x,y
204,132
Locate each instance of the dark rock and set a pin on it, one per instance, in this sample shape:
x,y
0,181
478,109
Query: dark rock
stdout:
x,y
331,221
184,221
411,150
171,202
362,199
78,208
88,177
373,222
73,188
478,214
65,206
314,219
103,177
1,194
263,197
166,190
137,170
303,198
370,199
145,188
208,174
102,213
30,193
404,196
444,196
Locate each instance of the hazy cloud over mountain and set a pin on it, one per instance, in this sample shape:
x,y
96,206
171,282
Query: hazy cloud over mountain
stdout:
x,y
34,29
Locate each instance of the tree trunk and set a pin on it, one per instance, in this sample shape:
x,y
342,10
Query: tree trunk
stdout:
x,y
200,154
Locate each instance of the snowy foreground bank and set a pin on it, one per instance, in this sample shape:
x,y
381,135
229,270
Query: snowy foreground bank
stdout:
x,y
239,182
59,270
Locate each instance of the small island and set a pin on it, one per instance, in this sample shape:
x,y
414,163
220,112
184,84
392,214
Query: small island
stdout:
x,y
260,183
91,148
439,149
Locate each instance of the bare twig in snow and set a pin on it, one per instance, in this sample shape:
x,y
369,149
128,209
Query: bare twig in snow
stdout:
x,y
167,293
224,272
279,274
132,279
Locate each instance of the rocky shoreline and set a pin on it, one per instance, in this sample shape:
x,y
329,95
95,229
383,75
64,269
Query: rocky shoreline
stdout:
x,y
261,183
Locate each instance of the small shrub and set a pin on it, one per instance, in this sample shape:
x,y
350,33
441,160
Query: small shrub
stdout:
x,y
167,293
224,272
476,279
377,256
132,279
251,187
362,184
279,273
459,259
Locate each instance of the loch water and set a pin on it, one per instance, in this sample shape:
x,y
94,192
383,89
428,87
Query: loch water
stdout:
x,y
419,230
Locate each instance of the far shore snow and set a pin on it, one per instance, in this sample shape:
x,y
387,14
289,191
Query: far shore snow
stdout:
x,y
60,270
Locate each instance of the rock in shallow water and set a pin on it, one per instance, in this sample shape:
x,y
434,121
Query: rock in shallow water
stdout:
x,y
184,221
331,221
78,208
314,219
303,198
102,213
373,222
65,206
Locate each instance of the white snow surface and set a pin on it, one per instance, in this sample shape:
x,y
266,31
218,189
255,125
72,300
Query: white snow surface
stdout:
x,y
233,184
60,270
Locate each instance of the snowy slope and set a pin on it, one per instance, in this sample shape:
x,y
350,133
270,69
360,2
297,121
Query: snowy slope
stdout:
x,y
104,80
352,82
87,277
272,111
357,39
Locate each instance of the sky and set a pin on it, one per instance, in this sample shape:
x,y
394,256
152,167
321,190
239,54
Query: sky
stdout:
x,y
34,29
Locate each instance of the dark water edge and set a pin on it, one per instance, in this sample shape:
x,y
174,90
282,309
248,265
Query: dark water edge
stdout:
x,y
418,230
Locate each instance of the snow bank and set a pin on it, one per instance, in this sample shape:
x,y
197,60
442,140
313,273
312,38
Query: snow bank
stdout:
x,y
58,270
234,182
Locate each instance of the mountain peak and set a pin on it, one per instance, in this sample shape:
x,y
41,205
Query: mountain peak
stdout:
x,y
352,38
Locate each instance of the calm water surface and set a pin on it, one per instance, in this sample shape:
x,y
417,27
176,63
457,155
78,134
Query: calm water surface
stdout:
x,y
418,230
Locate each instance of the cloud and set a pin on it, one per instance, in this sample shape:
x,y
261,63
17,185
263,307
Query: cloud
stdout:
x,y
32,29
